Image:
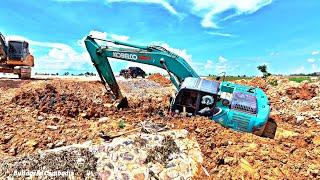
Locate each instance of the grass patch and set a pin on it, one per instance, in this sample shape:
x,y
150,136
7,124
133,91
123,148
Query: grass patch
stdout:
x,y
300,79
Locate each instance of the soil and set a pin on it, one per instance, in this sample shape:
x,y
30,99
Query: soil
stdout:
x,y
44,114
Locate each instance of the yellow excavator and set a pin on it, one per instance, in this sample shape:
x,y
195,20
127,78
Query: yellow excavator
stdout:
x,y
15,58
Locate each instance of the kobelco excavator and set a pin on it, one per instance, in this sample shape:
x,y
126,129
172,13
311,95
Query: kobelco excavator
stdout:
x,y
240,107
15,58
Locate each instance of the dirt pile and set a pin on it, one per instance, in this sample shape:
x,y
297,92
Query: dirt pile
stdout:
x,y
304,92
50,100
255,82
294,153
160,79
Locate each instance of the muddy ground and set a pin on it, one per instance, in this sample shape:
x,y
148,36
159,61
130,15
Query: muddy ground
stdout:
x,y
44,114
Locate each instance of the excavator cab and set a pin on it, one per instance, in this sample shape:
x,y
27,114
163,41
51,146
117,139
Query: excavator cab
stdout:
x,y
18,50
196,96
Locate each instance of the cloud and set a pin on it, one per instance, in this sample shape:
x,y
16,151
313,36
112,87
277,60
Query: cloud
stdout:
x,y
219,34
98,34
274,53
299,70
311,60
315,68
181,52
153,69
163,3
208,65
210,9
119,37
103,35
315,53
221,59
39,43
221,65
63,57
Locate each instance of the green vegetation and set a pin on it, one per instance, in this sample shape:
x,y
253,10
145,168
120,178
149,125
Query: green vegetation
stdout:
x,y
273,82
263,69
121,124
300,79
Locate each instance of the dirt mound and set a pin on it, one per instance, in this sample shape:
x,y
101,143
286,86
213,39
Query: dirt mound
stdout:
x,y
294,153
160,79
50,100
255,82
304,92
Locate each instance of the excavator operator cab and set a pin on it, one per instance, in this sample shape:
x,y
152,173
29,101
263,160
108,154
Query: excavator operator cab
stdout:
x,y
196,96
18,50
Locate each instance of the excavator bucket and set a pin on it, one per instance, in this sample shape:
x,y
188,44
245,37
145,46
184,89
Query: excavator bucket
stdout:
x,y
121,103
105,73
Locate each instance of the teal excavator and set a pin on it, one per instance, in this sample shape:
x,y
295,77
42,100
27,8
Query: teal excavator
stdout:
x,y
240,107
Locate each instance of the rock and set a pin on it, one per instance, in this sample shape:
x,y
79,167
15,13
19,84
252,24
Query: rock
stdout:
x,y
300,119
156,168
52,127
13,151
40,118
108,105
50,145
282,133
246,166
58,144
84,115
103,119
105,175
127,156
80,161
229,160
197,130
31,143
172,173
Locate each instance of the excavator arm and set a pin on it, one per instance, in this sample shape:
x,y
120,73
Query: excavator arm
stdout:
x,y
176,66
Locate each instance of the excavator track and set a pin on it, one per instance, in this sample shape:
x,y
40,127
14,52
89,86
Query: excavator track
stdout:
x,y
25,73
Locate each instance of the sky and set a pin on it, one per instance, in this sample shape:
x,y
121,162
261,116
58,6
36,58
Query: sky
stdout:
x,y
214,36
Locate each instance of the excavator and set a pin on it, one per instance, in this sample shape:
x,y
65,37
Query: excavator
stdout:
x,y
239,107
15,58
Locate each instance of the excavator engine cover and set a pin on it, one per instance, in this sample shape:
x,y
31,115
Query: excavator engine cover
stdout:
x,y
240,107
